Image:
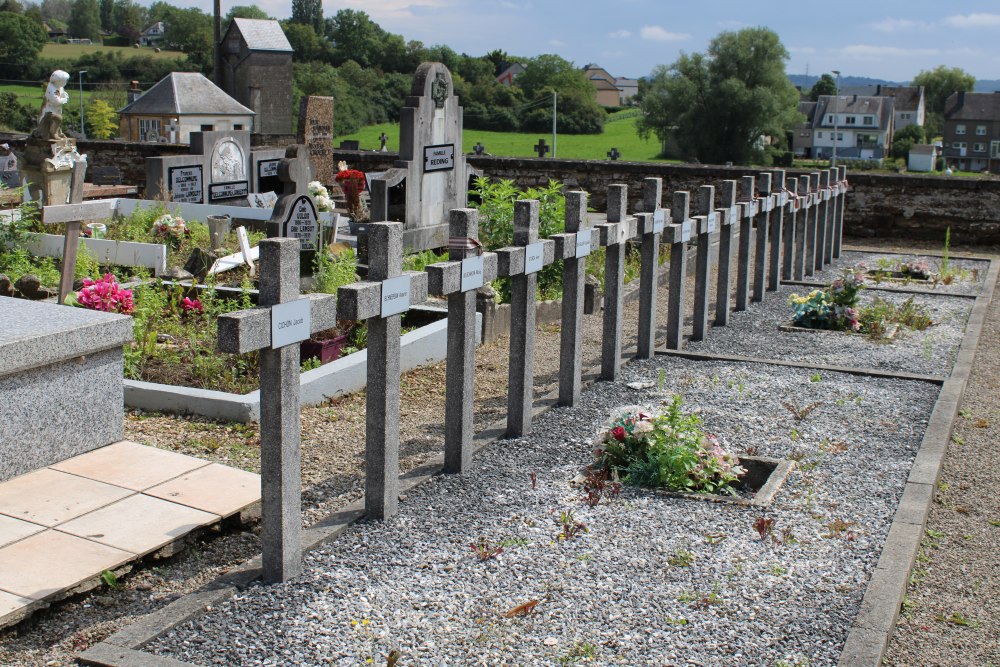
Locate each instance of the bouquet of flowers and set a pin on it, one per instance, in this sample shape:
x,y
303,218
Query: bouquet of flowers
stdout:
x,y
105,295
352,182
319,192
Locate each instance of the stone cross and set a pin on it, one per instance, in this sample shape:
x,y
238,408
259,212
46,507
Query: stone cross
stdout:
x,y
838,232
479,148
573,247
749,209
821,218
831,215
775,229
762,223
541,148
521,262
812,223
677,235
383,139
380,300
262,329
294,214
788,237
729,218
618,229
458,279
707,222
614,154
73,214
802,228
651,224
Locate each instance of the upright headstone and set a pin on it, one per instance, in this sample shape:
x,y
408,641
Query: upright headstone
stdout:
x,y
381,299
650,225
618,229
812,222
750,208
295,215
838,233
803,212
707,222
730,216
761,223
821,217
677,234
573,247
521,262
216,170
775,229
316,132
789,238
831,215
458,279
276,327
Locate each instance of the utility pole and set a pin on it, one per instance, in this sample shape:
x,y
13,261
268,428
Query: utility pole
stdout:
x,y
82,132
554,96
836,103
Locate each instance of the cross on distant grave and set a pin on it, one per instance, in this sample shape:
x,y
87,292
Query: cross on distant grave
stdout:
x,y
541,148
775,228
831,215
729,218
614,154
276,327
821,218
677,235
380,300
458,279
618,228
383,140
761,223
802,215
294,214
812,223
749,208
572,247
707,224
521,262
479,149
650,226
838,231
789,237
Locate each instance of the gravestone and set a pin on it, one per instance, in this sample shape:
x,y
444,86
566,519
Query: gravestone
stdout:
x,y
381,299
316,132
812,224
651,224
520,263
294,214
613,154
775,230
479,149
677,235
572,247
729,220
761,223
749,208
383,139
9,175
458,279
215,171
831,215
821,218
264,171
838,233
541,148
803,212
615,232
707,223
788,236
275,328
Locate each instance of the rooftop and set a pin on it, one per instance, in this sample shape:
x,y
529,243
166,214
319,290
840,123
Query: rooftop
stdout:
x,y
184,93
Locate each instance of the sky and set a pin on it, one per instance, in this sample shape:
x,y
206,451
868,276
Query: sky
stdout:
x,y
887,39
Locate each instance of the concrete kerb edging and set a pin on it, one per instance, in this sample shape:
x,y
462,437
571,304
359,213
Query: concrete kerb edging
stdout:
x,y
869,636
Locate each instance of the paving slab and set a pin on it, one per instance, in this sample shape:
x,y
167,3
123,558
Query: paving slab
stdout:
x,y
50,497
10,603
130,465
214,488
12,530
140,524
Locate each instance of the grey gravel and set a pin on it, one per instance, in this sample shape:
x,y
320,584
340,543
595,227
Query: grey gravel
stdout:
x,y
969,280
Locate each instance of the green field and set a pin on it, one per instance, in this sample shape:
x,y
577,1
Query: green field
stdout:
x,y
71,51
32,95
620,134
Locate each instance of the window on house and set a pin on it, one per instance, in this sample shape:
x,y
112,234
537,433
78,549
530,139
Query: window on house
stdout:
x,y
850,120
981,130
149,129
995,149
869,120
819,135
904,116
840,136
207,128
959,145
237,126
960,128
979,148
829,119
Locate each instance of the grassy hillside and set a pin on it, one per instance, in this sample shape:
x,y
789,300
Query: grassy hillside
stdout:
x,y
618,132
70,51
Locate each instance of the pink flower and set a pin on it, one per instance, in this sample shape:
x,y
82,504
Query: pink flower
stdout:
x,y
618,433
105,295
190,305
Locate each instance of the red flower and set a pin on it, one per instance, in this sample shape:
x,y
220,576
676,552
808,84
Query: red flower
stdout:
x,y
190,305
618,433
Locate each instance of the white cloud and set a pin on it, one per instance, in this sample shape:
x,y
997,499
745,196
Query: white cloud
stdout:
x,y
658,34
896,25
973,21
620,34
871,51
801,49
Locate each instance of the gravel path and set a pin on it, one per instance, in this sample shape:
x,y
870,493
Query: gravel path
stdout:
x,y
969,279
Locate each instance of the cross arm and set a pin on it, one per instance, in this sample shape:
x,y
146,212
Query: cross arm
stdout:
x,y
511,260
677,232
565,243
444,278
101,209
363,300
249,330
617,232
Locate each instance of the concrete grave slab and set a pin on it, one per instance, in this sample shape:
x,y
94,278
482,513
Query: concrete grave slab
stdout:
x,y
49,497
214,488
12,530
130,465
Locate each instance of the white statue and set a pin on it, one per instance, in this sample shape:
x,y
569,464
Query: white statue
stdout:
x,y
50,120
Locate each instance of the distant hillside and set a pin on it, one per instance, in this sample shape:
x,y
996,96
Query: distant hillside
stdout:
x,y
988,85
806,81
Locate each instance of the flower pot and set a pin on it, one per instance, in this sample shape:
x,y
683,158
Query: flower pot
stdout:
x,y
325,350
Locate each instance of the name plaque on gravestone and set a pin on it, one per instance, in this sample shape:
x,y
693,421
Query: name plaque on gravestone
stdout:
x,y
826,194
534,257
439,158
659,220
186,184
734,215
583,243
267,168
302,223
290,323
472,273
686,231
712,222
232,190
395,295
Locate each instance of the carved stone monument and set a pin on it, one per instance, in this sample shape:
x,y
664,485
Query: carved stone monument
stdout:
x,y
316,132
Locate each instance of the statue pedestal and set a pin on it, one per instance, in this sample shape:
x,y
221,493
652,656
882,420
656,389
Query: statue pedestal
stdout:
x,y
47,166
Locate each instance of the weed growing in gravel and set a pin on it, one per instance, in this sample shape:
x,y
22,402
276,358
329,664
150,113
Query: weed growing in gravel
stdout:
x,y
715,538
965,413
522,609
110,580
815,377
957,618
569,527
764,526
793,662
484,550
778,570
839,527
580,651
801,412
957,439
681,558
598,485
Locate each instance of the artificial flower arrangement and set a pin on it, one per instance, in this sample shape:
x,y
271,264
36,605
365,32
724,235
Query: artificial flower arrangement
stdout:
x,y
104,295
352,182
319,192
172,228
835,307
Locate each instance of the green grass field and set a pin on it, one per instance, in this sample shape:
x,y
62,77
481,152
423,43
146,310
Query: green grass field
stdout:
x,y
620,134
70,51
32,95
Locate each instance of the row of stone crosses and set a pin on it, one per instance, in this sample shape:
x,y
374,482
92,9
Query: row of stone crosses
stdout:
x,y
794,223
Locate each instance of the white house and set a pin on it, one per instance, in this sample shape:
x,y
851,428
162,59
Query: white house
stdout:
x,y
153,35
179,104
923,157
859,126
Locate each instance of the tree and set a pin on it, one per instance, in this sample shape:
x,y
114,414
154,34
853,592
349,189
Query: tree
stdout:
x,y
23,41
308,12
355,37
190,30
101,120
128,20
244,12
85,20
904,140
554,73
306,44
941,82
12,6
107,10
721,105
14,115
825,85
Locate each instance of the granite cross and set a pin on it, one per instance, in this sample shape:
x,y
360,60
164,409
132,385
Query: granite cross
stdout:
x,y
541,148
788,235
775,229
831,215
383,139
380,300
803,213
812,223
838,232
762,222
458,279
521,262
677,235
729,219
707,222
651,224
615,232
572,247
614,154
749,211
275,328
479,148
821,218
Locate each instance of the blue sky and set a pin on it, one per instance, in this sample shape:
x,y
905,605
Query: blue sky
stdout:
x,y
888,39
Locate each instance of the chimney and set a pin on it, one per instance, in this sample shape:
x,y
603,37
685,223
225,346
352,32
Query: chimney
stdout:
x,y
878,90
133,93
961,99
216,48
855,100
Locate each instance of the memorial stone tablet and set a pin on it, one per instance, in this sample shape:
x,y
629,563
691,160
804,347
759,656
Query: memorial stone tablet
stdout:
x,y
534,257
302,223
439,158
186,184
472,273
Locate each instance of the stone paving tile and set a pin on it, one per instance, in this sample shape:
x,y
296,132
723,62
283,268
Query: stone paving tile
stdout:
x,y
50,497
51,562
10,603
12,530
140,524
130,465
215,488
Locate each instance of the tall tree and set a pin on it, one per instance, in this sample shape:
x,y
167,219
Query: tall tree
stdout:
x,y
85,20
825,85
23,41
721,105
107,8
308,12
190,30
355,37
941,82
129,19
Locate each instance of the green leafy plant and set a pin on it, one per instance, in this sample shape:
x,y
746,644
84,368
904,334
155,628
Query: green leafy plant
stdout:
x,y
569,527
110,580
681,558
335,270
834,307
